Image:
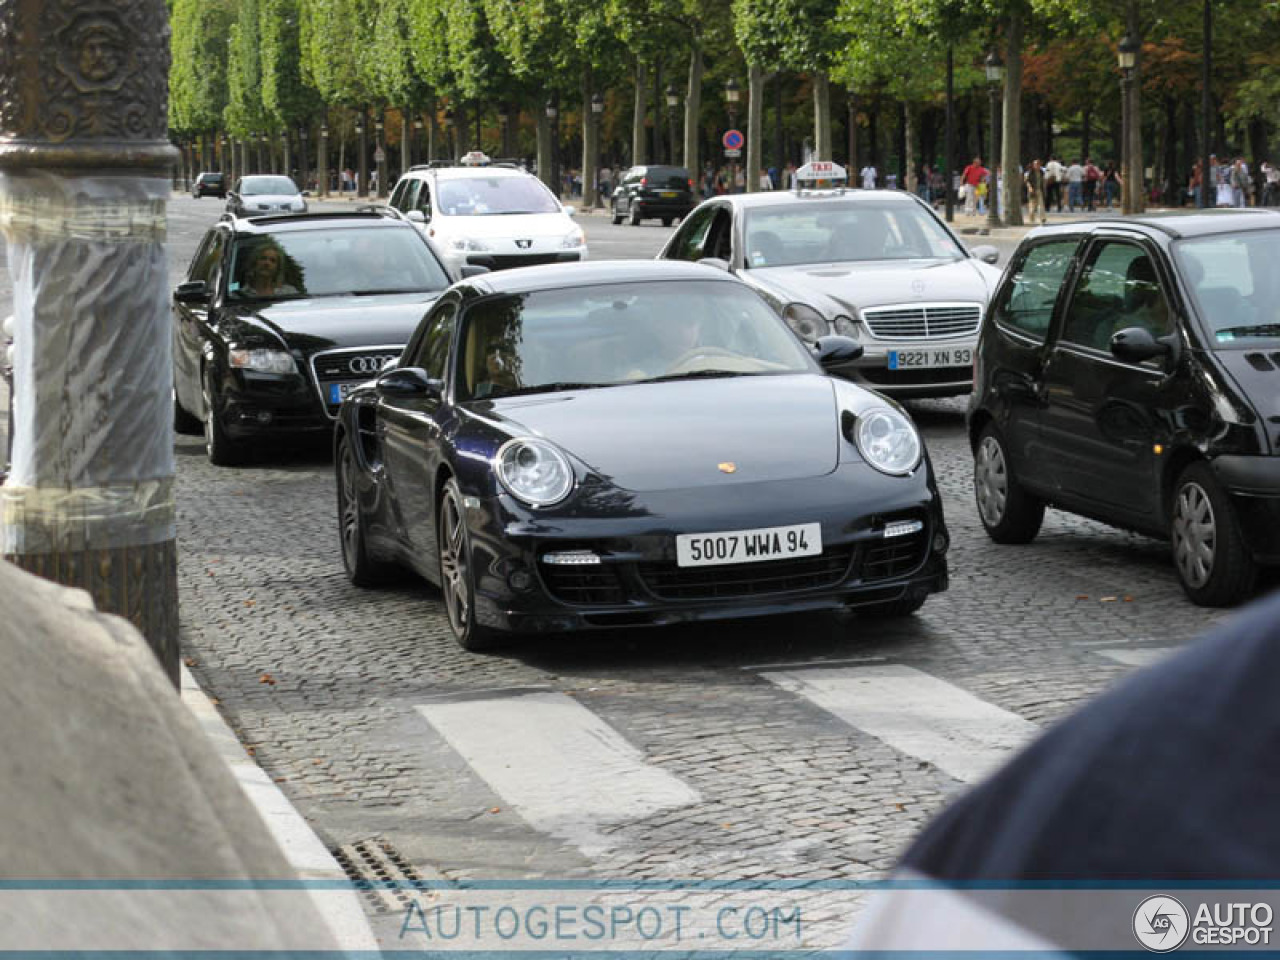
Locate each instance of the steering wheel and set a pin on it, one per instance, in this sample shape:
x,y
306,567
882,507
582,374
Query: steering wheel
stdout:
x,y
698,353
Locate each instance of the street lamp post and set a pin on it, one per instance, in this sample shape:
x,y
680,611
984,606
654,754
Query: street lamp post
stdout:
x,y
286,154
673,101
995,74
304,166
553,112
449,150
264,154
590,171
417,141
322,161
948,188
362,165
1127,56
380,157
731,94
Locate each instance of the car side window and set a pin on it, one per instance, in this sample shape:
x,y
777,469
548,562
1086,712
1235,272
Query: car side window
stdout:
x,y
397,196
1118,288
1026,302
719,242
422,199
205,262
432,354
687,244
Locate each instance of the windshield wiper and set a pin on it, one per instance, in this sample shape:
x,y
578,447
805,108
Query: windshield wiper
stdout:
x,y
701,375
1255,329
547,388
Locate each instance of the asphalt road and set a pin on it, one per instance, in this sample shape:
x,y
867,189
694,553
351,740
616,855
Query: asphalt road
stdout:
x,y
804,748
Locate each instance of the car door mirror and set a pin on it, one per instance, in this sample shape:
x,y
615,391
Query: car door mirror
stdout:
x,y
571,211
715,262
306,193
406,382
192,291
472,270
416,216
835,351
987,254
1137,345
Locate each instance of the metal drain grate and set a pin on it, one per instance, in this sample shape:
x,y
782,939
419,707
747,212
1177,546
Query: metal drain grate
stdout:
x,y
385,878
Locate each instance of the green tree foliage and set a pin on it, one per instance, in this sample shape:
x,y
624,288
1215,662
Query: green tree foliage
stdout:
x,y
287,99
198,76
245,112
333,38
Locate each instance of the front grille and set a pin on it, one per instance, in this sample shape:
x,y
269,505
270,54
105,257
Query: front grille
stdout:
x,y
350,366
510,261
583,586
670,582
921,321
893,558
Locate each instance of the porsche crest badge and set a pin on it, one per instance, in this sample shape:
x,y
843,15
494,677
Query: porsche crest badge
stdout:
x,y
728,467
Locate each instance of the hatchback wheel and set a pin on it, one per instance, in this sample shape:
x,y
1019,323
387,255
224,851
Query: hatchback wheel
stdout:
x,y
184,422
1008,512
1209,552
361,569
222,450
634,218
456,580
666,221
617,217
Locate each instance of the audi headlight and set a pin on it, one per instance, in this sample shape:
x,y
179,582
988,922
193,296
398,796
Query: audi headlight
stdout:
x,y
534,471
807,322
263,361
888,441
846,327
573,240
466,243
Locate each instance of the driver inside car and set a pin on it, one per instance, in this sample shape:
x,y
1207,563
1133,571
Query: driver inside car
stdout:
x,y
661,345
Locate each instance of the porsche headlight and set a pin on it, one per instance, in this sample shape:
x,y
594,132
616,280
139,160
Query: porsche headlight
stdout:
x,y
534,471
574,239
262,361
807,322
888,441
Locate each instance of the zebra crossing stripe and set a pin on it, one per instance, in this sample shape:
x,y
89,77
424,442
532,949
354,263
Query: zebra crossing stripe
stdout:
x,y
1139,656
560,767
915,713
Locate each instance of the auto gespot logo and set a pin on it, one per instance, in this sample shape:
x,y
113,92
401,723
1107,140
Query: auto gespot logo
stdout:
x,y
1162,924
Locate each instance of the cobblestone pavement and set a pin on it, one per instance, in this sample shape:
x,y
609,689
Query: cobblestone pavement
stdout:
x,y
323,682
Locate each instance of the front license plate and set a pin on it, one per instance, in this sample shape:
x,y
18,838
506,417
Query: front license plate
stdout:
x,y
748,546
931,357
338,391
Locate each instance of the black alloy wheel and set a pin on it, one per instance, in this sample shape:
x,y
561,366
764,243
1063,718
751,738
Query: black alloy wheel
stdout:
x,y
457,583
1008,512
184,422
222,450
666,221
1209,552
362,569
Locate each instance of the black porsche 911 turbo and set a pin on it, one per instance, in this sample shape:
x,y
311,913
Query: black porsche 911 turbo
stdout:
x,y
624,444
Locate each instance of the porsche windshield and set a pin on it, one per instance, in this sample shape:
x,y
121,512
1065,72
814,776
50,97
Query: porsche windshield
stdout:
x,y
622,333
356,261
489,196
833,231
1236,285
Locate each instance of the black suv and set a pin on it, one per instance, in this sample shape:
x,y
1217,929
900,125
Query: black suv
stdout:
x,y
648,192
210,183
280,317
1129,371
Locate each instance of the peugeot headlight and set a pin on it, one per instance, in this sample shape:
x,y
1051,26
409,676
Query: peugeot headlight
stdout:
x,y
887,440
262,361
573,240
845,326
534,471
466,243
807,322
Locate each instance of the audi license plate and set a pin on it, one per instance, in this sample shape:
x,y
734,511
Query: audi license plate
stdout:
x,y
338,391
748,546
931,357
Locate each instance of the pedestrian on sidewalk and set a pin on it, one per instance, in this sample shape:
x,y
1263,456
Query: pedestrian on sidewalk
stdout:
x,y
1271,190
972,176
1239,179
869,175
1111,184
1034,179
1092,177
1055,174
1075,186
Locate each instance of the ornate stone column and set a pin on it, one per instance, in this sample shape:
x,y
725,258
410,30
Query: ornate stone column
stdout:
x,y
84,162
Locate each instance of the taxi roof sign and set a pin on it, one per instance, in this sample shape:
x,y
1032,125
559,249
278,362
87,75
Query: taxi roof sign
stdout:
x,y
820,175
475,158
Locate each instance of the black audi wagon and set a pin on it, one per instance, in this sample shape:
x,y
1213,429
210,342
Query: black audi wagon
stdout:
x,y
1129,372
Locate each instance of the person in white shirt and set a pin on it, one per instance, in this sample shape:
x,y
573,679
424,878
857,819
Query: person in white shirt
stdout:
x,y
766,183
1055,174
1075,186
869,175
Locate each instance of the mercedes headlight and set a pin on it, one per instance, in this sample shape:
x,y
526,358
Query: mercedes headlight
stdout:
x,y
573,240
887,440
466,243
807,322
846,327
534,471
263,361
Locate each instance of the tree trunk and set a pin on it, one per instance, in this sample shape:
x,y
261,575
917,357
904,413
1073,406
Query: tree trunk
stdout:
x,y
1170,161
755,127
590,121
639,114
851,132
692,108
1135,175
908,153
406,139
545,173
821,116
1011,153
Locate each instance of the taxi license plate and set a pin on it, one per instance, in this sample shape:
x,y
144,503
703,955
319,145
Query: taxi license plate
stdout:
x,y
338,391
748,546
668,194
930,357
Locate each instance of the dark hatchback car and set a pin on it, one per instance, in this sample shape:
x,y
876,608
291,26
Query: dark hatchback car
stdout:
x,y
655,192
280,317
631,444
210,184
1130,372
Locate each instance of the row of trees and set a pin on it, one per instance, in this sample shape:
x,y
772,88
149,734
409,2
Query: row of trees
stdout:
x,y
247,68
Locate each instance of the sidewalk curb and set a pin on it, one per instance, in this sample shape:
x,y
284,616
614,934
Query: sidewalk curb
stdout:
x,y
339,906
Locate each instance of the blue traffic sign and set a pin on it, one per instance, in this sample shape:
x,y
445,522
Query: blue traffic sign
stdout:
x,y
733,140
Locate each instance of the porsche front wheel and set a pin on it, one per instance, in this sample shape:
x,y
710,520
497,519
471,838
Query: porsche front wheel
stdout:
x,y
362,570
457,582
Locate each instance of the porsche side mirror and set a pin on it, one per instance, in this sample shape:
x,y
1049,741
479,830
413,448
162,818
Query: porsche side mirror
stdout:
x,y
192,291
1136,345
416,216
472,270
835,351
408,382
987,254
717,263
